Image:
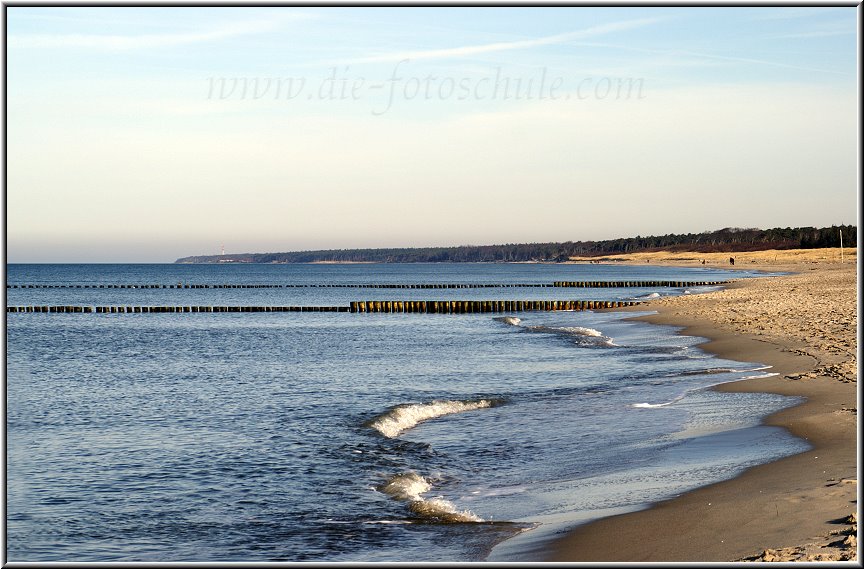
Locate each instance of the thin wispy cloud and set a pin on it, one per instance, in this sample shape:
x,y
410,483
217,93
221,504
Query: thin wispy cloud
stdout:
x,y
826,29
673,54
762,62
793,13
469,50
814,34
121,42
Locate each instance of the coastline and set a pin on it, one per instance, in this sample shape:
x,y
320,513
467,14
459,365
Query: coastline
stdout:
x,y
790,509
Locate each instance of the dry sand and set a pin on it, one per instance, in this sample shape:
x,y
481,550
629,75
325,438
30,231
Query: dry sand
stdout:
x,y
800,508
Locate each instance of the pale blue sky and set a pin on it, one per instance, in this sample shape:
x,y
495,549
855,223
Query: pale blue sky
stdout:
x,y
146,134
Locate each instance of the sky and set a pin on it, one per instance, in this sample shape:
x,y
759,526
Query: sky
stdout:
x,y
147,134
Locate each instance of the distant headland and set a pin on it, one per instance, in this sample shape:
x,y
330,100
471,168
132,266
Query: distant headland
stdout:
x,y
729,239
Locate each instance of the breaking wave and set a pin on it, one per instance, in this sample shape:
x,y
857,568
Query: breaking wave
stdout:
x,y
719,370
410,486
590,334
707,372
584,336
580,331
760,376
403,417
405,487
656,405
570,330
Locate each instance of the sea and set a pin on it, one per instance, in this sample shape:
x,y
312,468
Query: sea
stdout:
x,y
355,437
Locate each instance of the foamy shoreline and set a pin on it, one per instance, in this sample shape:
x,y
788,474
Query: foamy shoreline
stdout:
x,y
805,326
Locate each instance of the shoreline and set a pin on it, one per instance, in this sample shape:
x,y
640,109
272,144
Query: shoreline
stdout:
x,y
789,509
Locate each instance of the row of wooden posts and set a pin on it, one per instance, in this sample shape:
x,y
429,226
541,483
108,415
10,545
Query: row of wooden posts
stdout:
x,y
631,284
481,306
368,306
570,284
167,309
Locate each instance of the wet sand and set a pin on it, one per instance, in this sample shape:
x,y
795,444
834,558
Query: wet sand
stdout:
x,y
794,509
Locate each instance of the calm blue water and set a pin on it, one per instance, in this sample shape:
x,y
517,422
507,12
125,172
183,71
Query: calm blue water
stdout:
x,y
352,437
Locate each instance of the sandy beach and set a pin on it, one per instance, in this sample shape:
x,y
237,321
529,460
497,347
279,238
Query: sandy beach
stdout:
x,y
803,507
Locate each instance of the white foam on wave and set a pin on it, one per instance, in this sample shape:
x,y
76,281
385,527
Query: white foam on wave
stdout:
x,y
409,487
651,405
750,370
649,296
404,417
706,371
657,405
709,371
717,370
441,510
761,376
572,330
582,331
595,337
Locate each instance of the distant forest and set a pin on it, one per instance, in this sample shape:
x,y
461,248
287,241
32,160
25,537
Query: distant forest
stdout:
x,y
730,239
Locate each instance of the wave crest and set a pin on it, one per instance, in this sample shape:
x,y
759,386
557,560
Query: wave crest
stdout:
x,y
651,405
569,330
409,486
760,376
441,510
582,335
406,486
657,405
403,417
578,331
582,331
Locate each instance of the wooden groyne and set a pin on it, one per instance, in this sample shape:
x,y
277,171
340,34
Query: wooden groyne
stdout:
x,y
566,284
634,284
367,306
247,286
481,306
171,309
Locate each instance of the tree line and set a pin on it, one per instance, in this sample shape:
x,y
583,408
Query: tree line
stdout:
x,y
730,239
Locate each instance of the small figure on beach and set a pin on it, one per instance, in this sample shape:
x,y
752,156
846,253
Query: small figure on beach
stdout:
x,y
731,260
